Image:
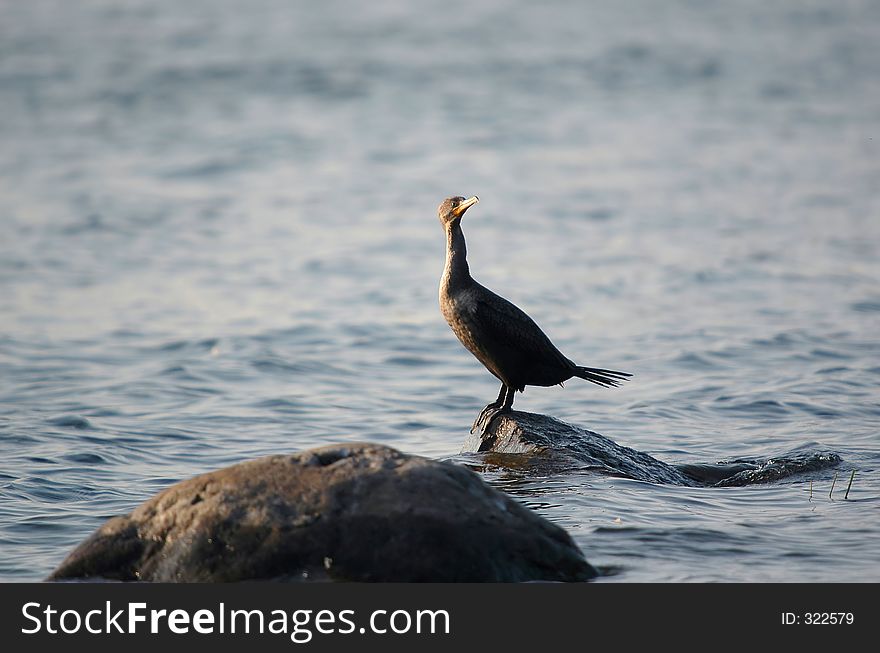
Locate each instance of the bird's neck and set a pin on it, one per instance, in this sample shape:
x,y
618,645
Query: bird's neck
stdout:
x,y
456,272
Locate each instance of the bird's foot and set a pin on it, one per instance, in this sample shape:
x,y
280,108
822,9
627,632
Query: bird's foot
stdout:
x,y
488,416
477,425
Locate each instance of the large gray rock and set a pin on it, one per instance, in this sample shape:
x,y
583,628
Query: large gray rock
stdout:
x,y
358,512
555,445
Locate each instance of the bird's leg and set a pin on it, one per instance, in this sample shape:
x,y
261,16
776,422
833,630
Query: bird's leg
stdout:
x,y
488,409
505,408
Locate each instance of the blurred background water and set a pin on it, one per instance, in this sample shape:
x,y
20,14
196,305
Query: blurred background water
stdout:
x,y
219,241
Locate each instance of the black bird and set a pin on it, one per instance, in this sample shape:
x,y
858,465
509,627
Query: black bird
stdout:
x,y
500,335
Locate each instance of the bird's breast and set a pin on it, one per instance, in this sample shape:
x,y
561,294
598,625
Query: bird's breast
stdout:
x,y
459,309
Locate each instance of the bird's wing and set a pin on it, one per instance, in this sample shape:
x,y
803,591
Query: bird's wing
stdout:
x,y
504,323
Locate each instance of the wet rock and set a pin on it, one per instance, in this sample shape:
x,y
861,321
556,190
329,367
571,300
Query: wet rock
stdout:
x,y
359,512
751,471
559,445
545,444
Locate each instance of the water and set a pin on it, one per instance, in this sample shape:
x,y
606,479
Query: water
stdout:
x,y
219,242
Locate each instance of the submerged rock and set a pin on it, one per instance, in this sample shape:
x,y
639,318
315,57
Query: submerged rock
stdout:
x,y
545,443
358,512
751,471
558,444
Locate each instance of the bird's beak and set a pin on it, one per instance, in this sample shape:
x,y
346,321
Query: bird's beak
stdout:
x,y
464,206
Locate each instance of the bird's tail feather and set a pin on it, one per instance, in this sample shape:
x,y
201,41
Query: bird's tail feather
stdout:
x,y
605,378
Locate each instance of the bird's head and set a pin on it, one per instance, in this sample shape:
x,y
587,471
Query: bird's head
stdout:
x,y
453,208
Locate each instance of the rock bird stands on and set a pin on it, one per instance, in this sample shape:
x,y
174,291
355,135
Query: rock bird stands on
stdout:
x,y
501,336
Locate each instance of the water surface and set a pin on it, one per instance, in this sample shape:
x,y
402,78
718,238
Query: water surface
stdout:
x,y
219,242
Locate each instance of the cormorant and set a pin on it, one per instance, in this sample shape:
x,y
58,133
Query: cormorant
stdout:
x,y
500,335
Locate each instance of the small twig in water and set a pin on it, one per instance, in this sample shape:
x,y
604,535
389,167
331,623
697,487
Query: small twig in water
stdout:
x,y
851,476
833,481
